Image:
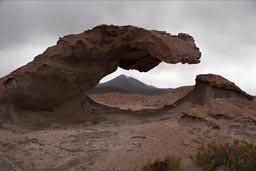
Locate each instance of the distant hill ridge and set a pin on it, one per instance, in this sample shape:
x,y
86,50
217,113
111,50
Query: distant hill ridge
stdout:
x,y
125,84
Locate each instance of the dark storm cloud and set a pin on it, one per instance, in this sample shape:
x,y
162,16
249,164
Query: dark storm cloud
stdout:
x,y
224,31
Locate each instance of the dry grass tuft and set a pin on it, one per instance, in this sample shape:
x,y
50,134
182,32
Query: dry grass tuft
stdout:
x,y
237,156
170,163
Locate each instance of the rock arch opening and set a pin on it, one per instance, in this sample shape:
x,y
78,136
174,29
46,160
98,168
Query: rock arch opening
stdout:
x,y
79,61
127,90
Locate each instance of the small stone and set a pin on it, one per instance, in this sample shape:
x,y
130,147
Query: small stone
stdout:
x,y
128,150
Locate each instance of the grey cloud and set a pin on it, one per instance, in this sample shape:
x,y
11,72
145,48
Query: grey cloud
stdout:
x,y
224,31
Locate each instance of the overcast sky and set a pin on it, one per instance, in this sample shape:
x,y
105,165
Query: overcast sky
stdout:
x,y
225,32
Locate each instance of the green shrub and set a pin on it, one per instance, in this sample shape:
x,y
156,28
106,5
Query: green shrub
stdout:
x,y
170,163
237,156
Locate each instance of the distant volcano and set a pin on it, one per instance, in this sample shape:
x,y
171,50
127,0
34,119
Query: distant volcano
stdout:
x,y
125,84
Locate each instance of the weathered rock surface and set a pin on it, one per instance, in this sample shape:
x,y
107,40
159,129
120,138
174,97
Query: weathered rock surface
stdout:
x,y
210,86
78,61
221,83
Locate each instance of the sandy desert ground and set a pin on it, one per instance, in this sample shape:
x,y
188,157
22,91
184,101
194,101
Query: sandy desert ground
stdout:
x,y
139,101
124,140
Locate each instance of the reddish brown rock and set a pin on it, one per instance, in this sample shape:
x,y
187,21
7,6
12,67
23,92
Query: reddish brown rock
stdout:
x,y
79,61
220,83
210,86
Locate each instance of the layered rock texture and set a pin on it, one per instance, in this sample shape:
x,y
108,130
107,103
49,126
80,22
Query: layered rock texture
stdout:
x,y
210,86
216,103
78,61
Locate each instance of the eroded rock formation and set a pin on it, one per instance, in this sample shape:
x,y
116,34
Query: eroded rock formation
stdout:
x,y
78,61
210,86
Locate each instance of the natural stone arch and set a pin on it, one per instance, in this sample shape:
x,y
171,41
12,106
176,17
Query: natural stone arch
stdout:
x,y
78,62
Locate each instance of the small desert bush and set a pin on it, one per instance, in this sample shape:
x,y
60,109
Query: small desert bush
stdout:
x,y
170,163
236,156
129,109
